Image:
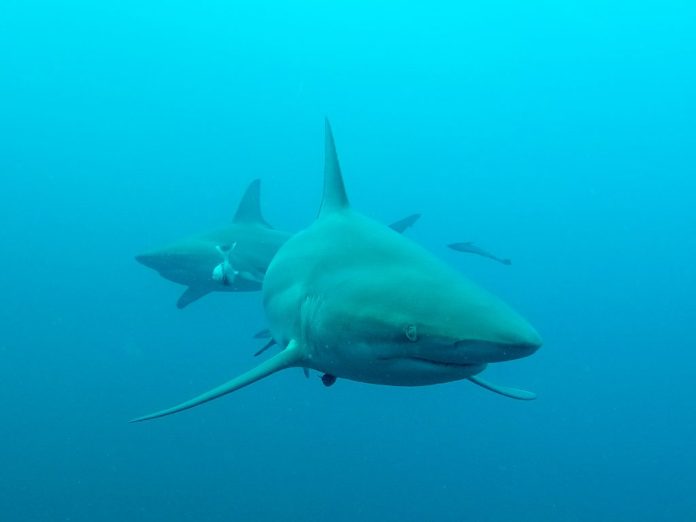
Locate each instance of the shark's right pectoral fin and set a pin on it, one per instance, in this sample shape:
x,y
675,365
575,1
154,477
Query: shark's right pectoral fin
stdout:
x,y
292,355
190,295
507,391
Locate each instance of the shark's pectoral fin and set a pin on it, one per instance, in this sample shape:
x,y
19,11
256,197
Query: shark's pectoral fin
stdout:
x,y
190,295
507,391
291,356
305,370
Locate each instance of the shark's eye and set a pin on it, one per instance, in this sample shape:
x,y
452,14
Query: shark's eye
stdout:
x,y
411,332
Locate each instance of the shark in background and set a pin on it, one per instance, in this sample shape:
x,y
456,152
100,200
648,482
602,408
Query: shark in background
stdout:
x,y
231,259
382,310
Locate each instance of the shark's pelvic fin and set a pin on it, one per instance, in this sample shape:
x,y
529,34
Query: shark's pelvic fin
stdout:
x,y
403,224
291,356
265,347
335,198
249,209
263,334
507,391
190,295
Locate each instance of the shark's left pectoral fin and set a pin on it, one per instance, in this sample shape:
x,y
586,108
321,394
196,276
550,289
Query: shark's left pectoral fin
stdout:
x,y
507,391
190,295
291,356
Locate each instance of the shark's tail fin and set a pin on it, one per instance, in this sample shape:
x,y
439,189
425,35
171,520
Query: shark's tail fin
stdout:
x,y
291,356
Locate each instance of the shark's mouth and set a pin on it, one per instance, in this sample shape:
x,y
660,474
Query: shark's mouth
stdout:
x,y
440,364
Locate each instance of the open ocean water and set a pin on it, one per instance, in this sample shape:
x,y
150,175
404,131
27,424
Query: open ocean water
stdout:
x,y
560,134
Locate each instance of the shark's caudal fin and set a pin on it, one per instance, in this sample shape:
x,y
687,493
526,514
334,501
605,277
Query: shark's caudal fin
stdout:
x,y
335,198
291,356
190,295
507,391
403,224
249,209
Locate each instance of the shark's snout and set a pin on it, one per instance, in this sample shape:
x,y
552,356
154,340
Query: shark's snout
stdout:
x,y
142,259
164,262
523,337
514,345
150,260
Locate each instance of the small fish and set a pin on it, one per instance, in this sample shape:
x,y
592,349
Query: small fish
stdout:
x,y
470,248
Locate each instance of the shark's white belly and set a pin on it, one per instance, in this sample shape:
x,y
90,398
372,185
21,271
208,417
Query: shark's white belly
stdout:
x,y
377,365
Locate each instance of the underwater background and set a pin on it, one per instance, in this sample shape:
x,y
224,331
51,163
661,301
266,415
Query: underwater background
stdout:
x,y
560,134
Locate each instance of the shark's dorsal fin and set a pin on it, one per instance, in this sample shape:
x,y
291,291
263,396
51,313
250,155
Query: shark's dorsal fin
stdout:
x,y
249,209
334,198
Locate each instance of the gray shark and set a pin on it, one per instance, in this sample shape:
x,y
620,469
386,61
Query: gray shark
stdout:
x,y
352,299
204,262
231,259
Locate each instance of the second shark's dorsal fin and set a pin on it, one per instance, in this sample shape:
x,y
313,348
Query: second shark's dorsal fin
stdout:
x,y
334,198
249,209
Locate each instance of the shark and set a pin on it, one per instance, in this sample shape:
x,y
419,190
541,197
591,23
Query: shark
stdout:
x,y
351,298
230,259
206,262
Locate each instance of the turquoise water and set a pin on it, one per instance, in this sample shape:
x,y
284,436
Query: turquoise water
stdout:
x,y
558,134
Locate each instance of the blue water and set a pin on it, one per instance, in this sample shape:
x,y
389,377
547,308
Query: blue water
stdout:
x,y
560,134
